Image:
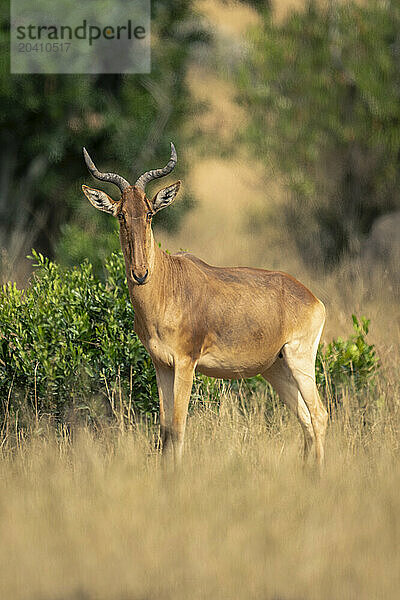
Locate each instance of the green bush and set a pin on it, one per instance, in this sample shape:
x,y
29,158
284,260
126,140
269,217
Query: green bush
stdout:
x,y
343,361
67,334
69,337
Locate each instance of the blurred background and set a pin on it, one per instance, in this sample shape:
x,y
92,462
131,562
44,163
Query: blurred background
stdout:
x,y
286,119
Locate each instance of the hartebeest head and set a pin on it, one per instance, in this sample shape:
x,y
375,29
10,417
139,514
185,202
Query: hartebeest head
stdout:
x,y
134,212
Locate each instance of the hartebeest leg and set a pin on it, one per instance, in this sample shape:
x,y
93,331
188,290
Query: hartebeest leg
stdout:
x,y
165,384
174,388
183,381
280,377
300,358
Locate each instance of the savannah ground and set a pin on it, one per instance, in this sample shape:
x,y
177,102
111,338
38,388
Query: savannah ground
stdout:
x,y
91,514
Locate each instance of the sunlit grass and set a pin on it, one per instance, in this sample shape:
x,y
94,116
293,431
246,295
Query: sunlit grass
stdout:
x,y
93,514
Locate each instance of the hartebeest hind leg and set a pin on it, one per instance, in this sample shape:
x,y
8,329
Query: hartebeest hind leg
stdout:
x,y
299,355
293,377
303,372
174,388
281,379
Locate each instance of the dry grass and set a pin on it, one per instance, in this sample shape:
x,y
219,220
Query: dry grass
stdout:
x,y
98,517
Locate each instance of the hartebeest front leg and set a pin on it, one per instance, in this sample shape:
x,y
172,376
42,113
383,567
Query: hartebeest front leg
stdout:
x,y
165,384
174,387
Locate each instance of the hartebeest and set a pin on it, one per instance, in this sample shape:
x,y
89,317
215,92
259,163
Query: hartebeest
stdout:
x,y
225,322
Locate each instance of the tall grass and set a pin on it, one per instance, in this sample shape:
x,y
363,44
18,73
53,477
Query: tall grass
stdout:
x,y
93,515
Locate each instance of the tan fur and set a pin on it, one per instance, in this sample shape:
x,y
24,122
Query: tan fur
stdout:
x,y
224,322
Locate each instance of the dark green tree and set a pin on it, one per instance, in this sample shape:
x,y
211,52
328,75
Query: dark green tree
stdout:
x,y
126,121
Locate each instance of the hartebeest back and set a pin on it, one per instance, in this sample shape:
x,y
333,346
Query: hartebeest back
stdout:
x,y
224,322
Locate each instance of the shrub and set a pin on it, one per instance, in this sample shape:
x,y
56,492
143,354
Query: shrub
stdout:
x,y
68,333
347,361
69,337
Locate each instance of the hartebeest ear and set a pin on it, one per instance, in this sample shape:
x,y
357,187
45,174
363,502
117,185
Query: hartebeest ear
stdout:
x,y
165,196
100,200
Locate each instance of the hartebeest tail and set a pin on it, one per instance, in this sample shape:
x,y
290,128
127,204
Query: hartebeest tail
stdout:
x,y
224,322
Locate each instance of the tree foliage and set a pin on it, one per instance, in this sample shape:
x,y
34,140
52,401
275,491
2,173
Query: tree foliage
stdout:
x,y
323,93
126,121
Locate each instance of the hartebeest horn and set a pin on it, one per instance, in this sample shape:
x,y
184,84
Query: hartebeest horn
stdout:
x,y
111,177
156,173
